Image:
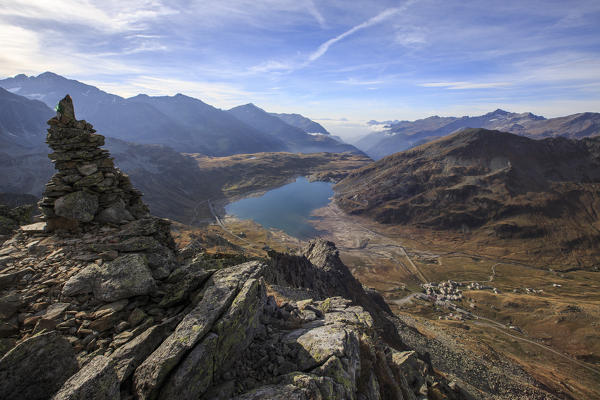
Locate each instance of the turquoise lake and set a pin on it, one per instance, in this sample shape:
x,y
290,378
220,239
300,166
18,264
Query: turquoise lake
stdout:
x,y
287,208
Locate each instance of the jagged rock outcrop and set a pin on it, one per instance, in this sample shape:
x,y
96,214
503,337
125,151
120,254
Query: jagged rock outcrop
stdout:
x,y
322,271
87,187
228,333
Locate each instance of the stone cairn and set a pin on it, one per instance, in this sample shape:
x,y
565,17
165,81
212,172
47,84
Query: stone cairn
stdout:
x,y
87,187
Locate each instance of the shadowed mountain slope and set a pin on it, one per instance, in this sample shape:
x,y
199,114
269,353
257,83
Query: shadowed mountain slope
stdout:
x,y
22,122
301,122
297,139
220,132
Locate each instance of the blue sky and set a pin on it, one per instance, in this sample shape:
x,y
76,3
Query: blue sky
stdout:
x,y
339,62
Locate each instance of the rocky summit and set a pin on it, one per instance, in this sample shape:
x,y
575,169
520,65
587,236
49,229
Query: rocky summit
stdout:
x,y
99,304
87,187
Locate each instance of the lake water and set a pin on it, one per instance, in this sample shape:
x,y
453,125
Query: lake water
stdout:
x,y
287,208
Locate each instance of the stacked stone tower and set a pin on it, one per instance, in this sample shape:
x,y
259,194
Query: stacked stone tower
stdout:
x,y
87,188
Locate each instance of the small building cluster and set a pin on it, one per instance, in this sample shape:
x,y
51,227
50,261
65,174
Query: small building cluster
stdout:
x,y
528,290
478,286
443,291
533,291
456,316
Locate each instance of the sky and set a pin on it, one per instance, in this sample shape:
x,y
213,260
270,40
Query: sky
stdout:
x,y
340,62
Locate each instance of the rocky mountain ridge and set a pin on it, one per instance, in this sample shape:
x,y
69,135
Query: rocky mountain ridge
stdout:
x,y
401,135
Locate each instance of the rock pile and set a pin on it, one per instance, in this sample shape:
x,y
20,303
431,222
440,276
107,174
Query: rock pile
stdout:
x,y
87,187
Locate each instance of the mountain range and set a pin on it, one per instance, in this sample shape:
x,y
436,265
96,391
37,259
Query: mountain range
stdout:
x,y
401,135
181,122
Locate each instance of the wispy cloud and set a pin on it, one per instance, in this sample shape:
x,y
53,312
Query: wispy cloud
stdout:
x,y
314,11
322,49
465,85
411,37
288,66
359,82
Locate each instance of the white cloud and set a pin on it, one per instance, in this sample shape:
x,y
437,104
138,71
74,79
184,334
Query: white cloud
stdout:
x,y
411,36
19,48
561,67
272,66
66,36
251,13
25,51
111,16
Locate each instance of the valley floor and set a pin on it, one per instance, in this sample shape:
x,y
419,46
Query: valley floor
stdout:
x,y
541,320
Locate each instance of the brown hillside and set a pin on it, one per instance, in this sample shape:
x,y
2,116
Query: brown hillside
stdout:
x,y
502,184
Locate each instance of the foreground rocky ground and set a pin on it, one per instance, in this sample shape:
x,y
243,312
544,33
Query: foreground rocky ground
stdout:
x,y
96,317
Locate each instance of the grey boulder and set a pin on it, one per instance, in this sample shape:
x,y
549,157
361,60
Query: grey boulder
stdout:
x,y
96,380
37,367
124,277
115,213
80,206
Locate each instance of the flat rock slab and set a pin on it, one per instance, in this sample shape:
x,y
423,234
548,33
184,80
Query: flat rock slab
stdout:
x,y
194,375
222,290
127,357
38,227
55,310
96,380
124,277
